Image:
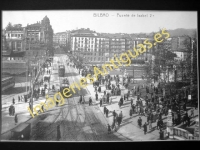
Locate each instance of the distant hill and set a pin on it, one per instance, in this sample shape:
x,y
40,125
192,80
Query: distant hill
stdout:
x,y
181,31
173,33
178,32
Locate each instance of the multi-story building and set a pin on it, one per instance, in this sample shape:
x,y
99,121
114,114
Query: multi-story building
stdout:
x,y
60,38
26,44
15,37
179,47
83,43
102,47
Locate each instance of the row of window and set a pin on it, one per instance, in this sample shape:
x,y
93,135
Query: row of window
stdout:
x,y
14,35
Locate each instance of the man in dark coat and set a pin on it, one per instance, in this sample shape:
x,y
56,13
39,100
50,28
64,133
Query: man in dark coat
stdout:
x,y
96,96
107,111
109,129
13,110
90,101
131,101
10,111
104,92
108,98
145,128
99,89
140,122
121,100
100,102
16,119
13,100
114,113
81,98
18,98
104,109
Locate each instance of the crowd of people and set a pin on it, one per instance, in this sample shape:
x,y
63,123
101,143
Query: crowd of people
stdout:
x,y
153,101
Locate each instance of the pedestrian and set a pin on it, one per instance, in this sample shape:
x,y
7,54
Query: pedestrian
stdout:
x,y
131,112
100,102
10,113
13,110
80,99
113,124
104,110
121,99
96,95
158,124
90,101
107,98
99,89
58,133
95,88
120,118
13,100
161,134
16,119
145,128
109,129
107,111
114,113
140,122
131,101
104,92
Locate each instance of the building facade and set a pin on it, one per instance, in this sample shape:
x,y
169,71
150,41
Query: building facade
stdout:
x,y
96,47
31,44
60,38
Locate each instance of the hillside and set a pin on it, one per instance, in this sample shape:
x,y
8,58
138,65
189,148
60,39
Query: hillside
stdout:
x,y
181,31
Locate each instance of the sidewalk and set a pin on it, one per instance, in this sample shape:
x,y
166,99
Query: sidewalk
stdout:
x,y
128,127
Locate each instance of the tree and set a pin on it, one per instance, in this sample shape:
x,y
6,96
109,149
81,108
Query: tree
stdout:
x,y
9,26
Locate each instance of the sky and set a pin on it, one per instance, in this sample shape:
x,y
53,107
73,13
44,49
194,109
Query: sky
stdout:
x,y
110,21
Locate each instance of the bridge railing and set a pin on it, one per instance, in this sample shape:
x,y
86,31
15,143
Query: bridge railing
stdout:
x,y
183,134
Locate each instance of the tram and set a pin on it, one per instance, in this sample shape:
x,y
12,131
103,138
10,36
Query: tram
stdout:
x,y
64,83
61,70
7,83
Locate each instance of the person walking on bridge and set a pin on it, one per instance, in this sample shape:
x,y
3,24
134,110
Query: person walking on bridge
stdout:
x,y
145,128
96,95
16,119
13,100
90,101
